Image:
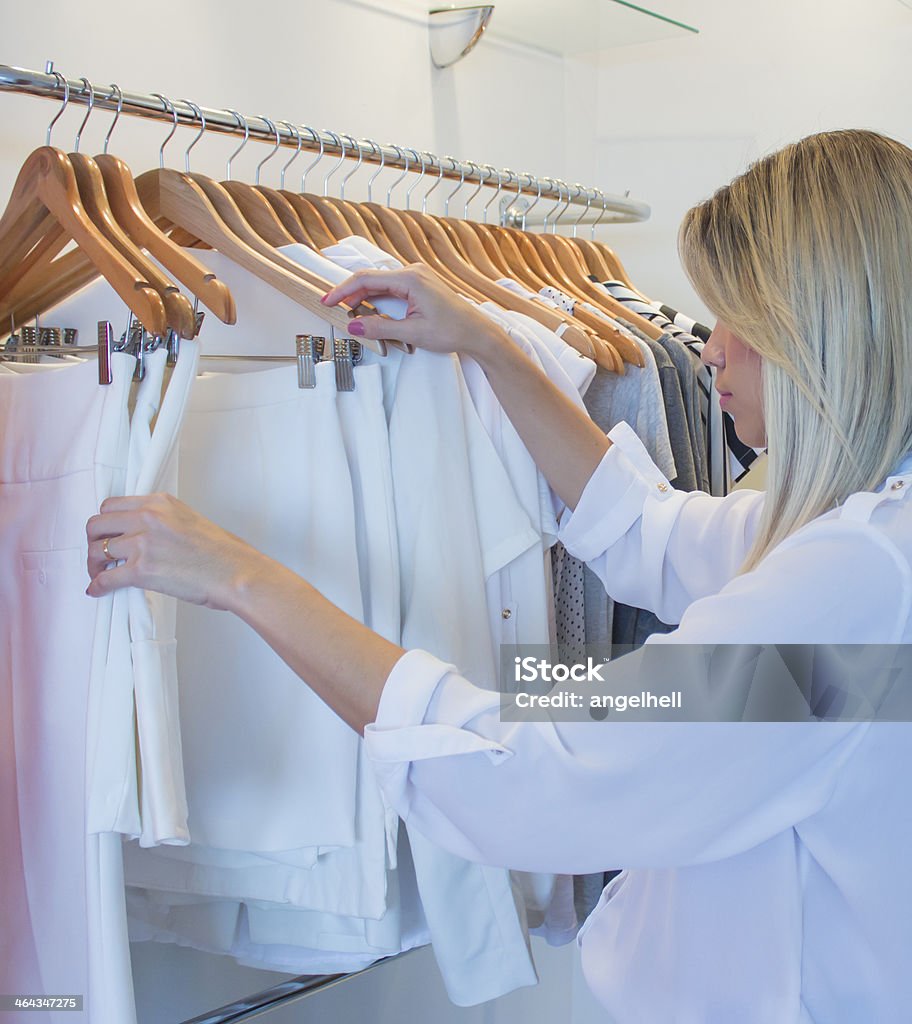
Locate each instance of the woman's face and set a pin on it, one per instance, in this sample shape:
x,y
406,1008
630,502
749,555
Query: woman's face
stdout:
x,y
738,382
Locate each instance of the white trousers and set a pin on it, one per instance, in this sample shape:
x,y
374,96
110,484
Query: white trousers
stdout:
x,y
63,449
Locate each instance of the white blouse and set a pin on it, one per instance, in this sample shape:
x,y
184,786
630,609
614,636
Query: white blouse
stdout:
x,y
767,865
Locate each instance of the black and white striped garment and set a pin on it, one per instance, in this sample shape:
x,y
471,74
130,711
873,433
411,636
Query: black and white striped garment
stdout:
x,y
679,319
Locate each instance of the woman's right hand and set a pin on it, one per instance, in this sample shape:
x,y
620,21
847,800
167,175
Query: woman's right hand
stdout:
x,y
437,318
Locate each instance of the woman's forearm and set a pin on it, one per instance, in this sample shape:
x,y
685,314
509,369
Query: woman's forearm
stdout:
x,y
344,663
159,543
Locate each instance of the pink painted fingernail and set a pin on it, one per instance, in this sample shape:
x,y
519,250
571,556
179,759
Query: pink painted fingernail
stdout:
x,y
323,298
356,327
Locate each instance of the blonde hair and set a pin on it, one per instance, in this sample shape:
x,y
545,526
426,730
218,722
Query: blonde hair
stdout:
x,y
807,257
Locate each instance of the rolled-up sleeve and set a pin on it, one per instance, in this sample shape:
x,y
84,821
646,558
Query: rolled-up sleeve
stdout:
x,y
575,796
652,546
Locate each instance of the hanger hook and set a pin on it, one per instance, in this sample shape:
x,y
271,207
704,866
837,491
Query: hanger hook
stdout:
x,y
315,137
271,153
402,156
354,145
439,161
335,167
535,201
601,215
560,198
115,90
197,111
291,128
518,177
89,108
242,122
481,180
66,102
561,185
446,202
375,148
484,212
566,206
579,219
169,107
418,158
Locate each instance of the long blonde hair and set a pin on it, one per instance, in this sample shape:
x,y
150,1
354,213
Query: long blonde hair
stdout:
x,y
807,257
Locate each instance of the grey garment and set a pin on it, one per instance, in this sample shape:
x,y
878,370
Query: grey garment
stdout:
x,y
637,399
631,626
587,889
599,613
676,415
690,392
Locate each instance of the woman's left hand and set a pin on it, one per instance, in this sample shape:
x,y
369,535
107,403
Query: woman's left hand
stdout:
x,y
159,543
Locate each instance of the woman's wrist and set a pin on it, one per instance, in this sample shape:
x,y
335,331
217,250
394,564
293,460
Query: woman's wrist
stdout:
x,y
237,590
488,346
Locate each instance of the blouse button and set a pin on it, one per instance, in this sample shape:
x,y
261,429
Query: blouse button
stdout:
x,y
662,487
506,613
898,485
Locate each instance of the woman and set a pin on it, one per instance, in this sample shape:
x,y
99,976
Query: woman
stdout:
x,y
766,877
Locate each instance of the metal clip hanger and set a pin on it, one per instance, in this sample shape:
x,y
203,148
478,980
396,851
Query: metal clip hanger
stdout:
x,y
309,349
347,353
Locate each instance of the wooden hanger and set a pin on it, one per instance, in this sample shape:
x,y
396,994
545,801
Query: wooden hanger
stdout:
x,y
178,309
109,194
283,209
602,262
254,206
428,242
380,225
353,214
114,207
466,273
546,270
310,218
562,263
298,216
179,200
596,264
132,217
246,215
557,252
47,184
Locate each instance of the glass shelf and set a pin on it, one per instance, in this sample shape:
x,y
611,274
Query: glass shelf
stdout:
x,y
577,27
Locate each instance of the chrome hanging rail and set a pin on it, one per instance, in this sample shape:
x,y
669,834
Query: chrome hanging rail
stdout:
x,y
613,208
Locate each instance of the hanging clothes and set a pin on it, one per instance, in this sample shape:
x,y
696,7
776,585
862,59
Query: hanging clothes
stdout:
x,y
65,926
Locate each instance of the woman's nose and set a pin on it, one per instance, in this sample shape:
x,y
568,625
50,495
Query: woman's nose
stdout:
x,y
713,354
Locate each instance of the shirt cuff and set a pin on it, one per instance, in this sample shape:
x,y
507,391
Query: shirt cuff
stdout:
x,y
613,499
402,731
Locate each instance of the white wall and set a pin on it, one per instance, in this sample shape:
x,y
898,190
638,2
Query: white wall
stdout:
x,y
679,118
331,63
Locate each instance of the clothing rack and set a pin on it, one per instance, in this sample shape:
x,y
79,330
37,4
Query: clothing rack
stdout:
x,y
599,206
284,994
596,207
